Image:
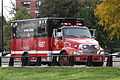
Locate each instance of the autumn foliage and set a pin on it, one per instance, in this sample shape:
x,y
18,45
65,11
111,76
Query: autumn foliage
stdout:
x,y
108,12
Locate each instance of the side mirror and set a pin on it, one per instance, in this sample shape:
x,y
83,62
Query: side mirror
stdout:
x,y
57,33
107,54
92,31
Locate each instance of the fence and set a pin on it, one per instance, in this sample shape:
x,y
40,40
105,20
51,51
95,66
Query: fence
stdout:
x,y
109,60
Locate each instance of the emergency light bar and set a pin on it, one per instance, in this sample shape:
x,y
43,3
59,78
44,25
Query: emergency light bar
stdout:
x,y
70,24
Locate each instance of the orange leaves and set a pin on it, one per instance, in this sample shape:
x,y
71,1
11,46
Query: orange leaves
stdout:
x,y
108,12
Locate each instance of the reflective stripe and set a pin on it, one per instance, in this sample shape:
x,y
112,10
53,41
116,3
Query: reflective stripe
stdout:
x,y
55,52
34,52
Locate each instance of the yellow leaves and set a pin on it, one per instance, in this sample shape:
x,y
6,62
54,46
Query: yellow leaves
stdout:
x,y
108,13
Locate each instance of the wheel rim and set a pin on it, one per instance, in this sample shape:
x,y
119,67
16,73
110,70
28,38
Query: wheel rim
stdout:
x,y
64,60
25,60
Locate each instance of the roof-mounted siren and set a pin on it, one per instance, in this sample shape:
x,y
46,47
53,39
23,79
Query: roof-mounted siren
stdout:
x,y
66,24
79,24
70,24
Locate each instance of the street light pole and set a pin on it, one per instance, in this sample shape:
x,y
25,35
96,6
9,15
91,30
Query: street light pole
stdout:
x,y
2,41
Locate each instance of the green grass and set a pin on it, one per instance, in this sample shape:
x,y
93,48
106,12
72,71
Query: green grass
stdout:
x,y
59,73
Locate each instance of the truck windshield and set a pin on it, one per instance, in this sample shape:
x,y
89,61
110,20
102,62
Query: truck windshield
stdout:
x,y
76,32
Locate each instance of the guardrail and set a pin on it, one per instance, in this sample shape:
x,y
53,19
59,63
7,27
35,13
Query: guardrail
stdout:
x,y
89,61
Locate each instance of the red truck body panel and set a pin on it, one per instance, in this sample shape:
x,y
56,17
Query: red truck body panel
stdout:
x,y
48,45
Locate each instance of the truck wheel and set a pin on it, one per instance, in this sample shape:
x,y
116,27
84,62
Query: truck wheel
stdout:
x,y
71,61
49,64
98,64
64,60
25,60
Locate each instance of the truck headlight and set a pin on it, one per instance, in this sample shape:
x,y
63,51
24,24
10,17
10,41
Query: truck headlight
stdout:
x,y
75,52
97,46
102,52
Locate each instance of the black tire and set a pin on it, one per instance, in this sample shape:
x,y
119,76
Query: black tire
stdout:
x,y
64,60
71,61
97,64
25,60
50,64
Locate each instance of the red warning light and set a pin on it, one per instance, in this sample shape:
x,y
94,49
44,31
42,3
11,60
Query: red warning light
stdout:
x,y
78,24
69,24
14,34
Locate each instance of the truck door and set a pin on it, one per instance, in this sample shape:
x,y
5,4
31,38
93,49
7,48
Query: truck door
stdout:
x,y
57,42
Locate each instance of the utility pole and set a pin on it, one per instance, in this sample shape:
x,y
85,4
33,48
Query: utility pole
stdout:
x,y
2,41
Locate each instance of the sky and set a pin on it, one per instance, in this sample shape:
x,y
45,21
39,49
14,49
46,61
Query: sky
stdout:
x,y
7,7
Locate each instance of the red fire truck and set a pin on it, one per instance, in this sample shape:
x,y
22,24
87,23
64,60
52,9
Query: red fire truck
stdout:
x,y
55,36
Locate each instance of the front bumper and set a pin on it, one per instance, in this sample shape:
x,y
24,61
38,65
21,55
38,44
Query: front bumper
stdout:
x,y
84,58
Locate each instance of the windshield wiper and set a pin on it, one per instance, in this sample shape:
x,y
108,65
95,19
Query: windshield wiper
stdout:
x,y
72,36
84,36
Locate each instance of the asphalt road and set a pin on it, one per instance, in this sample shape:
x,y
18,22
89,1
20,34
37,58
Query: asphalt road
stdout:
x,y
18,64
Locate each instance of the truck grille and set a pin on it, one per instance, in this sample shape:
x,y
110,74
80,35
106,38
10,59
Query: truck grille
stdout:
x,y
89,47
89,52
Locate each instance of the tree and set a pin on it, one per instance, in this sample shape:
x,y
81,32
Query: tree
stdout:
x,y
109,33
7,35
59,8
22,13
86,12
108,12
103,38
